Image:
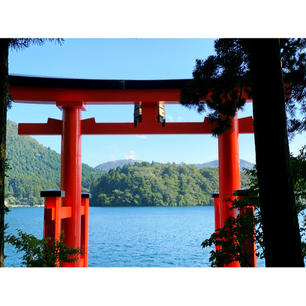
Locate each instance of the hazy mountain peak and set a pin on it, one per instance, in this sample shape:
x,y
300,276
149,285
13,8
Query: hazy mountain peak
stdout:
x,y
121,162
116,163
215,163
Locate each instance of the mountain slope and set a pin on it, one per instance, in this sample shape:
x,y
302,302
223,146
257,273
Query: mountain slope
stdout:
x,y
34,168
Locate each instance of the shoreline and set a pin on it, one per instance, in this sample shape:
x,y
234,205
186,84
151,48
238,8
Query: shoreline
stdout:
x,y
42,206
27,206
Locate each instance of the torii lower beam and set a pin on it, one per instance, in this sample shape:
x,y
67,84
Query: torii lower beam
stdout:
x,y
90,127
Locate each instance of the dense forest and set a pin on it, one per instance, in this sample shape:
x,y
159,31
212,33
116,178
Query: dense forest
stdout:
x,y
156,184
34,167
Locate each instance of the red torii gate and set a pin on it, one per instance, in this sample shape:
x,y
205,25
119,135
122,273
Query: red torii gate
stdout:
x,y
67,209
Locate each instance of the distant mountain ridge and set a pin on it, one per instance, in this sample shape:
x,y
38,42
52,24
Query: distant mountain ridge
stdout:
x,y
121,162
215,163
116,163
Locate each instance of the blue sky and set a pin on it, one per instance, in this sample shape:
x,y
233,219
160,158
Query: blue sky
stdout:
x,y
125,59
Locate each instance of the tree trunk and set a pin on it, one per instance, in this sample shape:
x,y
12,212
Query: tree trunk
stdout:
x,y
279,216
4,45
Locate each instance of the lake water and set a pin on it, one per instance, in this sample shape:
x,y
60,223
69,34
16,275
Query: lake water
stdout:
x,y
132,237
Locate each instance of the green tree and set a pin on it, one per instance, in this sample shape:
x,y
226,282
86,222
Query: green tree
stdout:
x,y
5,44
256,63
42,252
238,232
272,155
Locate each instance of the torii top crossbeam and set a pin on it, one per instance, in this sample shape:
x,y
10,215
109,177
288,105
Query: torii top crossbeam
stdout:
x,y
43,90
52,90
82,92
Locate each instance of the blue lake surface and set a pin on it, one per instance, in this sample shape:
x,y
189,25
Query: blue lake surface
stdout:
x,y
132,237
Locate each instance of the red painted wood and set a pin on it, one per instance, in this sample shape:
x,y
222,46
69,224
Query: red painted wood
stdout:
x,y
90,127
249,249
229,172
71,174
84,232
246,125
52,127
46,95
217,214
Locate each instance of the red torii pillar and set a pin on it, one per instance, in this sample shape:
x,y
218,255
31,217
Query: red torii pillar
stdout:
x,y
72,213
217,215
229,173
71,175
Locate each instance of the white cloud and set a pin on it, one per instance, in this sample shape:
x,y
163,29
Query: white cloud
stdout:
x,y
141,136
131,155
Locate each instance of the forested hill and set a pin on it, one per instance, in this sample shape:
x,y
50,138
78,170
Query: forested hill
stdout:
x,y
155,184
34,168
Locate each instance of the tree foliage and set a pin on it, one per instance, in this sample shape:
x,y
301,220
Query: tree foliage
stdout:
x,y
229,241
5,99
293,56
42,252
228,72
